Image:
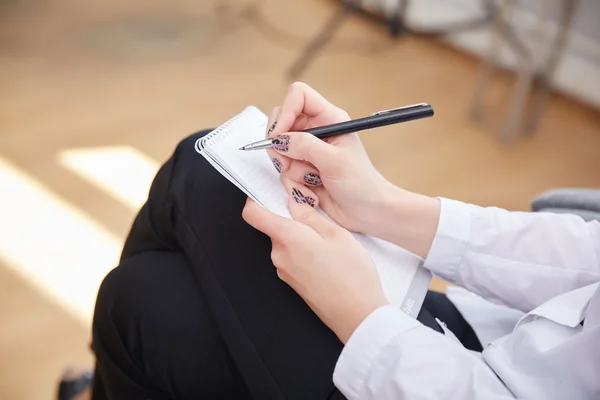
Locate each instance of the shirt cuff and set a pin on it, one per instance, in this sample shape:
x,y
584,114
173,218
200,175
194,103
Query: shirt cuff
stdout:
x,y
451,239
365,345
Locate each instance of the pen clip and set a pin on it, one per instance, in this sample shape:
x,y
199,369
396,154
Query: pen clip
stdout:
x,y
400,108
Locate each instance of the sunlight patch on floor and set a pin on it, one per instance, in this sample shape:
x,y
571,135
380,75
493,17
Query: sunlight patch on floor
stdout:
x,y
51,243
123,172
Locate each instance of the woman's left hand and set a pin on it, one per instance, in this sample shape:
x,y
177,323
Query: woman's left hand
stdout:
x,y
321,261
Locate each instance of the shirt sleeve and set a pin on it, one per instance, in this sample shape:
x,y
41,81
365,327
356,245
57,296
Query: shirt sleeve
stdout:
x,y
518,259
393,356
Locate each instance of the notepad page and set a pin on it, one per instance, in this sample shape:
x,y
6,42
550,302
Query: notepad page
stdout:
x,y
403,281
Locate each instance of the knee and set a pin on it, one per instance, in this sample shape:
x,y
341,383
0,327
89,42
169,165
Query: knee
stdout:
x,y
149,312
195,183
185,151
135,289
189,143
186,155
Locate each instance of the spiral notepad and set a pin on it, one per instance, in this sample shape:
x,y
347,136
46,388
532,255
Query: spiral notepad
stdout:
x,y
403,279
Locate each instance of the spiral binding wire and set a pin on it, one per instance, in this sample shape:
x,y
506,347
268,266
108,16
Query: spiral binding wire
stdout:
x,y
214,135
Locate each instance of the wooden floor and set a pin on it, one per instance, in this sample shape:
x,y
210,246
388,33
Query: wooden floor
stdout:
x,y
147,73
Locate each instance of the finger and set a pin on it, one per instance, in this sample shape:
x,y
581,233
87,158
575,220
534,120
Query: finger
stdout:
x,y
280,162
300,194
267,222
278,257
303,173
301,124
306,147
300,100
303,99
326,203
303,213
272,122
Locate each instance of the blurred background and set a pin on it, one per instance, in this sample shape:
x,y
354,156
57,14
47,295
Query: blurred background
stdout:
x,y
94,96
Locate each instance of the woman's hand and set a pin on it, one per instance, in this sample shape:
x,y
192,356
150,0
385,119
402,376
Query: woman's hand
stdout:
x,y
322,262
350,190
338,169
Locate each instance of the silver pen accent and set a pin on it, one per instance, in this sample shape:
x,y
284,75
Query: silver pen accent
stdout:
x,y
399,108
260,145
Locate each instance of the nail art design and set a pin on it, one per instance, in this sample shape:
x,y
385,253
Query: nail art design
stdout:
x,y
277,164
298,196
312,179
311,202
281,142
271,129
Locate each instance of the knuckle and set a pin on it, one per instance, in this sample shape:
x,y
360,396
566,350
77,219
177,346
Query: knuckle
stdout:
x,y
343,114
297,85
247,212
281,275
292,242
276,258
337,233
342,158
302,142
305,215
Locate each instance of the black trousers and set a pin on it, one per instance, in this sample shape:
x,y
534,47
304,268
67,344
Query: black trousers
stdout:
x,y
195,309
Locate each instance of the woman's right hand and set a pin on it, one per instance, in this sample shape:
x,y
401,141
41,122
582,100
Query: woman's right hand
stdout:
x,y
337,169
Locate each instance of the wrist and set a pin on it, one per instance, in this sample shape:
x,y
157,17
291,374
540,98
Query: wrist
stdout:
x,y
356,316
406,219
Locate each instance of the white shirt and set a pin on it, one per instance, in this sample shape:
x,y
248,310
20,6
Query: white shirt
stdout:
x,y
545,265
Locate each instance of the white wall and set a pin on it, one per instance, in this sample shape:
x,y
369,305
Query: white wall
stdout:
x,y
579,72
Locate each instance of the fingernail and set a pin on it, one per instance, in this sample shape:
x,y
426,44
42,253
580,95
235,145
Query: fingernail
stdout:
x,y
281,142
311,202
312,179
298,196
278,165
271,129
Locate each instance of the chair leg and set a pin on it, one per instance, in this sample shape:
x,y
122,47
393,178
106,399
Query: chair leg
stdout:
x,y
323,37
397,24
522,89
490,61
557,51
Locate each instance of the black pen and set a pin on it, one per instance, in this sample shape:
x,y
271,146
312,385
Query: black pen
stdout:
x,y
378,119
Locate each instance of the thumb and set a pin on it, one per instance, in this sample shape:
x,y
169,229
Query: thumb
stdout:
x,y
304,146
265,221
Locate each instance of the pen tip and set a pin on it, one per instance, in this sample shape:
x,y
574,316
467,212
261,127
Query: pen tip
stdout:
x,y
242,148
